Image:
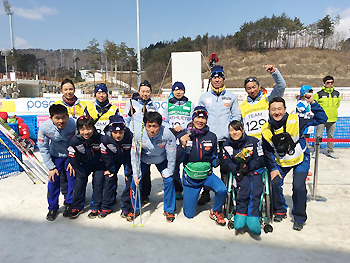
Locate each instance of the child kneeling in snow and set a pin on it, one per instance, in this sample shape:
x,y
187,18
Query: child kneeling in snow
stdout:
x,y
244,158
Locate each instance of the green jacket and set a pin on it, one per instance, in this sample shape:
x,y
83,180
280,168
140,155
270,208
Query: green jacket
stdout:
x,y
329,99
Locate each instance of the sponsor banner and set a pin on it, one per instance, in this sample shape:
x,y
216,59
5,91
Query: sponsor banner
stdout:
x,y
34,105
7,106
42,105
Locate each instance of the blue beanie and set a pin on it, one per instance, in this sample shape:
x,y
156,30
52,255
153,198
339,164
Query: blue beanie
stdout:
x,y
200,111
217,71
304,89
101,87
178,85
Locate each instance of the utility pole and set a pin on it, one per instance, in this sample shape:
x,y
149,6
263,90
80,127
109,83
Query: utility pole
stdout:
x,y
9,13
138,45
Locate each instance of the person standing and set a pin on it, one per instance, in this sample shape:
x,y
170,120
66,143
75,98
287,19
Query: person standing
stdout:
x,y
74,106
178,115
101,109
141,103
255,109
285,148
53,139
329,99
222,107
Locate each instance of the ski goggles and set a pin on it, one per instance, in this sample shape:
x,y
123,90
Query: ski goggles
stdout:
x,y
215,74
251,79
116,126
85,117
200,113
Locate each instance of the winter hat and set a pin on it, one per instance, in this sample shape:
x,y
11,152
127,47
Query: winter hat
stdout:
x,y
4,116
305,89
146,83
116,123
101,87
217,71
200,111
178,85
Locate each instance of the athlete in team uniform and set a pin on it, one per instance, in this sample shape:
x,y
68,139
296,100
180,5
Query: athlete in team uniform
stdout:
x,y
74,106
285,148
255,109
101,109
178,115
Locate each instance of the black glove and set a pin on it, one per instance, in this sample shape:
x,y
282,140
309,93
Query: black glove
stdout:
x,y
243,168
131,111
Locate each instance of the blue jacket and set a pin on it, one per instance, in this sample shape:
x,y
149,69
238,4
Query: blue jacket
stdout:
x,y
53,141
277,91
304,122
231,148
222,110
200,148
155,150
137,103
114,152
85,155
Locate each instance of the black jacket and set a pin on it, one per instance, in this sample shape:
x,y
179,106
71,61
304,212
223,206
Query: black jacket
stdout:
x,y
201,148
231,148
114,152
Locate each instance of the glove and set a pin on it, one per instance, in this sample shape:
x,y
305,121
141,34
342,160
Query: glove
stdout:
x,y
131,111
243,168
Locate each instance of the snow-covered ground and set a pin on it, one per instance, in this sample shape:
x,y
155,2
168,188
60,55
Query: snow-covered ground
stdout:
x,y
26,236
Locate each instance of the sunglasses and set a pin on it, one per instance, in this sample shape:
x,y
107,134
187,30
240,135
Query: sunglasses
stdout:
x,y
201,113
329,82
117,126
251,79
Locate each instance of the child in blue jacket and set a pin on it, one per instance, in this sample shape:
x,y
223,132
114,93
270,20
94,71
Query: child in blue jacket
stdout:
x,y
53,138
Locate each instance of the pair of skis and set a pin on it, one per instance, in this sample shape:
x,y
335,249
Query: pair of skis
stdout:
x,y
35,174
138,164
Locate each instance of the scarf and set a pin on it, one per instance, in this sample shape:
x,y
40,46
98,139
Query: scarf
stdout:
x,y
101,106
219,90
69,102
278,124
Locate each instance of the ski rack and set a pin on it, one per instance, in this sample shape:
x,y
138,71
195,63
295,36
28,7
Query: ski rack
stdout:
x,y
39,168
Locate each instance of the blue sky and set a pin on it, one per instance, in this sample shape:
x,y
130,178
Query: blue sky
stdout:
x,y
55,24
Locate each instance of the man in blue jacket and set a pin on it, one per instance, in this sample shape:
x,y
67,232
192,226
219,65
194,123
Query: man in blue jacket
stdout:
x,y
285,148
222,107
158,147
53,138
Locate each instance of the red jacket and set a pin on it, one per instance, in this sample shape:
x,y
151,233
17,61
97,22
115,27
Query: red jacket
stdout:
x,y
23,129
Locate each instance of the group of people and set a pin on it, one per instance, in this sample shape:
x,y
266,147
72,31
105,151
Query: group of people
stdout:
x,y
242,139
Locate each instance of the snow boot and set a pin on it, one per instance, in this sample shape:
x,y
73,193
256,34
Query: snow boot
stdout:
x,y
279,217
74,213
298,226
93,214
51,215
239,221
253,223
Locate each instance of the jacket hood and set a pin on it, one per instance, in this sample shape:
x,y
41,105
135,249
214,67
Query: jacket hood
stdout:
x,y
20,120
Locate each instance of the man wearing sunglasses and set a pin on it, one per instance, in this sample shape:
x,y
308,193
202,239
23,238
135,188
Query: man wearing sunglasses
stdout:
x,y
255,108
222,107
329,99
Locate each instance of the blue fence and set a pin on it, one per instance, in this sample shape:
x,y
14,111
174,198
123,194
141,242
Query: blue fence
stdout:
x,y
342,131
7,164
